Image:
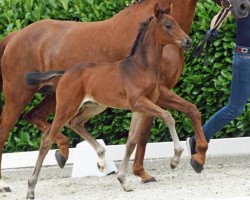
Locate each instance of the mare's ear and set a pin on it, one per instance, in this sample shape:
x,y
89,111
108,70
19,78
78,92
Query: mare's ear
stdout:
x,y
158,11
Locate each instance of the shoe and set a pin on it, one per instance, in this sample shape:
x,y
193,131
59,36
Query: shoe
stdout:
x,y
190,142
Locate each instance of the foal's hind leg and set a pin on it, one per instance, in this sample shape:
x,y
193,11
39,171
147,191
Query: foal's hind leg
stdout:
x,y
38,117
77,124
130,146
66,109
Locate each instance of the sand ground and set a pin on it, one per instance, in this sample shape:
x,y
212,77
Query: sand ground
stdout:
x,y
224,177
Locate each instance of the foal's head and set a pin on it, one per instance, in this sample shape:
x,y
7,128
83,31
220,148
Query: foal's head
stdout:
x,y
168,31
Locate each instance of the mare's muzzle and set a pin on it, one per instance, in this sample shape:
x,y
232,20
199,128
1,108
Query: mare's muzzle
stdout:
x,y
239,9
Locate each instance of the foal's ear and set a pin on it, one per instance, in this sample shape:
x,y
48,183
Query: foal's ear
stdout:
x,y
157,11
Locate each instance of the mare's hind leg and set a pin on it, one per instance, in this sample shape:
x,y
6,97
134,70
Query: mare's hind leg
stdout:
x,y
38,116
77,124
15,102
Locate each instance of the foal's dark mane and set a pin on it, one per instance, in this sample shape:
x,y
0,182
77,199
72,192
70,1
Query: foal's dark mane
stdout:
x,y
141,33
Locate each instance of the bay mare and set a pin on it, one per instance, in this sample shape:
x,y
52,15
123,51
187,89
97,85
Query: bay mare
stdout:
x,y
130,84
57,45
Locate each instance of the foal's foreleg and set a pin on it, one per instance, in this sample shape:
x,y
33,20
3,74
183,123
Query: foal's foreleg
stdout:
x,y
172,101
77,124
38,116
177,145
145,107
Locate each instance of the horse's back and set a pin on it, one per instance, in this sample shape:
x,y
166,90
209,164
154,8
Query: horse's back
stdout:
x,y
47,43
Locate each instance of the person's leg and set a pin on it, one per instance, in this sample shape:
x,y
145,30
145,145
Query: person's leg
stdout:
x,y
240,92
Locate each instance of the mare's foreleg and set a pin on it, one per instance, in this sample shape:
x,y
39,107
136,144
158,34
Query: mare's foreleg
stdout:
x,y
38,116
77,124
172,101
144,128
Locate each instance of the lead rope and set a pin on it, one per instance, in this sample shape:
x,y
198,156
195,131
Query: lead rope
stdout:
x,y
209,37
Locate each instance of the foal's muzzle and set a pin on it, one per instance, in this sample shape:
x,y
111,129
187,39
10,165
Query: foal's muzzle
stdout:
x,y
186,43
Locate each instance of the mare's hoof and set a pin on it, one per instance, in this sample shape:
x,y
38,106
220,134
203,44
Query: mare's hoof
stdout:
x,y
5,189
149,180
196,166
61,161
30,198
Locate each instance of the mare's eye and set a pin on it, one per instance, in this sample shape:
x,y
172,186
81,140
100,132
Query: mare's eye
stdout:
x,y
168,26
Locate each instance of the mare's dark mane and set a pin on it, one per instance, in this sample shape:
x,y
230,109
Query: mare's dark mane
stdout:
x,y
141,33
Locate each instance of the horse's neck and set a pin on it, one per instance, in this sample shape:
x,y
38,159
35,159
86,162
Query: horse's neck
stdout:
x,y
149,51
130,17
183,12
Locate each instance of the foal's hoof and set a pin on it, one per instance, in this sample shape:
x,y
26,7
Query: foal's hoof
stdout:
x,y
5,189
100,167
61,161
173,165
129,190
30,198
196,166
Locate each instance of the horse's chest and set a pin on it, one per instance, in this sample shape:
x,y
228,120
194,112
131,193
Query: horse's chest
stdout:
x,y
154,92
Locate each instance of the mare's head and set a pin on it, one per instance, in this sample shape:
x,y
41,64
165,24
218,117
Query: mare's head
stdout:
x,y
168,30
239,8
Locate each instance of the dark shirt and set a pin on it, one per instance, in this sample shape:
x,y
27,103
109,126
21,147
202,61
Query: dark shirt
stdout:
x,y
243,32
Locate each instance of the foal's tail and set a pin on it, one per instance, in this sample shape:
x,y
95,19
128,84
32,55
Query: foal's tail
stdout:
x,y
36,78
3,44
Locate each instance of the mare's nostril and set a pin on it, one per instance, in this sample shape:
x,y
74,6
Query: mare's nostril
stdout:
x,y
243,6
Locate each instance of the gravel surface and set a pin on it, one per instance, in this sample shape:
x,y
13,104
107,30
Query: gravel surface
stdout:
x,y
223,177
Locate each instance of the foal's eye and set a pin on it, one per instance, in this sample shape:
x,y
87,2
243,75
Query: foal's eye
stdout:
x,y
168,27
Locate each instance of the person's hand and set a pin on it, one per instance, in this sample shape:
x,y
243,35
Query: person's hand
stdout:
x,y
211,35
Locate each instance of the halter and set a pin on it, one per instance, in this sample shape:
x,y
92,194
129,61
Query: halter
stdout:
x,y
226,4
138,1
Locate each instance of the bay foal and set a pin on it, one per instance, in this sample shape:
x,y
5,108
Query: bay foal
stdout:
x,y
131,84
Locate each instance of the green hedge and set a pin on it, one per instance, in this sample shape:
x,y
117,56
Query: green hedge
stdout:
x,y
207,87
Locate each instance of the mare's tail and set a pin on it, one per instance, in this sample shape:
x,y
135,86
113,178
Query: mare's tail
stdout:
x,y
36,78
3,45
